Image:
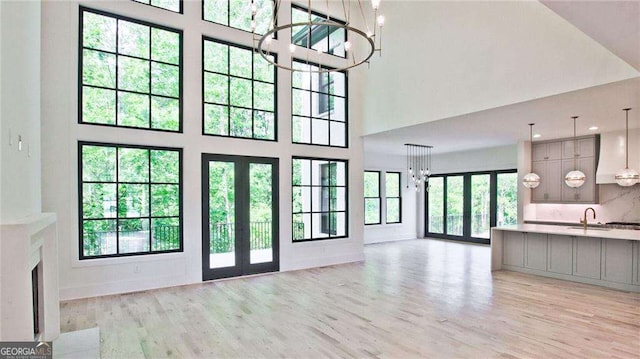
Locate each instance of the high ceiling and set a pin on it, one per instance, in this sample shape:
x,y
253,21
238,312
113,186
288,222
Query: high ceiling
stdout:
x,y
466,75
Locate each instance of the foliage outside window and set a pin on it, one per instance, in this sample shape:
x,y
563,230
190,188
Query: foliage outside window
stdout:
x,y
319,106
239,92
507,199
130,73
130,200
435,205
171,5
372,197
393,200
319,199
326,39
237,13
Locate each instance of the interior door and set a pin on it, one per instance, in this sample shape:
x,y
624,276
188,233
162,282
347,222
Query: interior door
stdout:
x,y
239,216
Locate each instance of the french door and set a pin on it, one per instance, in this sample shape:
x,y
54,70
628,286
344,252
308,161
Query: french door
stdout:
x,y
239,216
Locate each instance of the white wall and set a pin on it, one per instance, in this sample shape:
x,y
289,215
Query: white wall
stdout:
x,y
394,231
61,133
20,110
486,159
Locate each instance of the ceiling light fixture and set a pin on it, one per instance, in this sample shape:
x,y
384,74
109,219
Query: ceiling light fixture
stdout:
x,y
531,179
418,159
315,25
627,177
593,128
575,178
537,135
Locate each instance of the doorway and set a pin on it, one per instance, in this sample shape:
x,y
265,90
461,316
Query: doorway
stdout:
x,y
239,216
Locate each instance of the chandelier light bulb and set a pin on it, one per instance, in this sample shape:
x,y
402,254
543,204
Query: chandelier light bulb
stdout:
x,y
381,20
292,48
375,4
369,34
347,45
254,9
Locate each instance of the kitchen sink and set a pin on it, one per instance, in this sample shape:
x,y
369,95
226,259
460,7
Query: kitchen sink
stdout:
x,y
590,228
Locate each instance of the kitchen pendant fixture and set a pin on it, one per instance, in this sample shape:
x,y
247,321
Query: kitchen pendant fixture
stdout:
x,y
531,179
575,178
359,43
418,159
627,177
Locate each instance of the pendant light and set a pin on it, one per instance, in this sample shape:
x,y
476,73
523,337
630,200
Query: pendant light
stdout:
x,y
575,178
627,177
531,179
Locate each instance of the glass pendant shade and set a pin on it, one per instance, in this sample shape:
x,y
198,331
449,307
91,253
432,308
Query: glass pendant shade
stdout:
x,y
627,177
575,179
531,180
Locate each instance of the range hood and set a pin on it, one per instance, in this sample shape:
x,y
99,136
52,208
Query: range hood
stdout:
x,y
612,154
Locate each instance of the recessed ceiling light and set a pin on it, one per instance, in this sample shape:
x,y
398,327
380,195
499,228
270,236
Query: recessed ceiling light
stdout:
x,y
537,135
593,128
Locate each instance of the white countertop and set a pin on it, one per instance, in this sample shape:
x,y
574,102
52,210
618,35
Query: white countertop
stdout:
x,y
566,231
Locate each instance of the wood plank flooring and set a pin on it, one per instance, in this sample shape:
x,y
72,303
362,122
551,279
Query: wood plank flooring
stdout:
x,y
409,299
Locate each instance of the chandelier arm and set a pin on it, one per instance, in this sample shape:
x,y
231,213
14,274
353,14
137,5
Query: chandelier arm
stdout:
x,y
364,19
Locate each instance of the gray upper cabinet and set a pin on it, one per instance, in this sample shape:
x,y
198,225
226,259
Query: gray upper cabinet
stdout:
x,y
552,160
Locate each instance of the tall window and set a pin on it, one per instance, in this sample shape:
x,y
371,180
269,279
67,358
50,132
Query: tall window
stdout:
x,y
372,197
239,92
319,199
131,200
466,205
237,13
393,200
327,39
319,106
171,5
130,72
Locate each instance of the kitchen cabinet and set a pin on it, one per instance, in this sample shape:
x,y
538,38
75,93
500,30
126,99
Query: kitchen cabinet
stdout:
x,y
536,251
560,254
585,193
586,257
636,263
617,260
552,160
514,249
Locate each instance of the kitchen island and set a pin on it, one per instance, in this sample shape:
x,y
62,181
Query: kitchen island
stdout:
x,y
599,256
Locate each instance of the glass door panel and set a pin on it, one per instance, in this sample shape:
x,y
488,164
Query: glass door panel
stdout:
x,y
507,199
455,205
480,205
435,222
222,215
260,213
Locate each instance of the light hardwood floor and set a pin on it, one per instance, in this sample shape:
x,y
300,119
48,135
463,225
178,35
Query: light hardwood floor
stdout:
x,y
419,298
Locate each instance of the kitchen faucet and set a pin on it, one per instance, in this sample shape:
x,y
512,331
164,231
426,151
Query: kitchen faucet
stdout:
x,y
583,221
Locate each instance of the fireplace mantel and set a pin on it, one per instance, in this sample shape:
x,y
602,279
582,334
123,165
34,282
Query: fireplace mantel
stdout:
x,y
25,244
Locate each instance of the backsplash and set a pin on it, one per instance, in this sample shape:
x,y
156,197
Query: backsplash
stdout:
x,y
617,204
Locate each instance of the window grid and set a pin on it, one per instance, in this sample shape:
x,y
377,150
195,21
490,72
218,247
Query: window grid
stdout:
x,y
392,194
324,17
161,5
326,215
228,21
117,218
372,200
228,105
151,94
329,98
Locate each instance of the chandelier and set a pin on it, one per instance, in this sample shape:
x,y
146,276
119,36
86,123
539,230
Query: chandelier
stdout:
x,y
418,160
531,179
575,178
627,177
358,45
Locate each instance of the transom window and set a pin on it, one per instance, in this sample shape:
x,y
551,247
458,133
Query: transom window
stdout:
x,y
237,13
171,5
131,200
239,92
319,197
393,199
130,73
319,106
327,39
372,197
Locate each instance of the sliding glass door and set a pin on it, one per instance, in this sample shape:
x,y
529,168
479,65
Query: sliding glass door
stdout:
x,y
464,206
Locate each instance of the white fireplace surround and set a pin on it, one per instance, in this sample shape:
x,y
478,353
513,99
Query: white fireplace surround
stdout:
x,y
23,245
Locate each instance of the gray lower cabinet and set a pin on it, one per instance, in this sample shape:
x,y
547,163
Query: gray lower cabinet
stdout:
x,y
586,257
513,250
560,254
636,263
617,260
536,251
